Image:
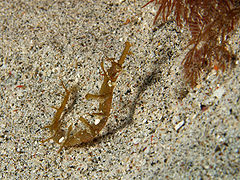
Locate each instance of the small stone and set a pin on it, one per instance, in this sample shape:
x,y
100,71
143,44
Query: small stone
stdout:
x,y
219,92
179,125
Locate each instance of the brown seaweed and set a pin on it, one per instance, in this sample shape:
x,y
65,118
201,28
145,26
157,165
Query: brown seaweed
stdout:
x,y
71,137
105,103
55,126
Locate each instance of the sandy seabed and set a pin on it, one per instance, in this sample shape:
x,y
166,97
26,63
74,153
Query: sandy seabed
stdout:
x,y
159,128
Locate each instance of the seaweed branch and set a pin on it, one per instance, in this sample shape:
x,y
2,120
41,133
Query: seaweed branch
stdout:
x,y
210,23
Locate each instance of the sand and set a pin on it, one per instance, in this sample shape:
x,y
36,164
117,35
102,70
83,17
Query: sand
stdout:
x,y
159,127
